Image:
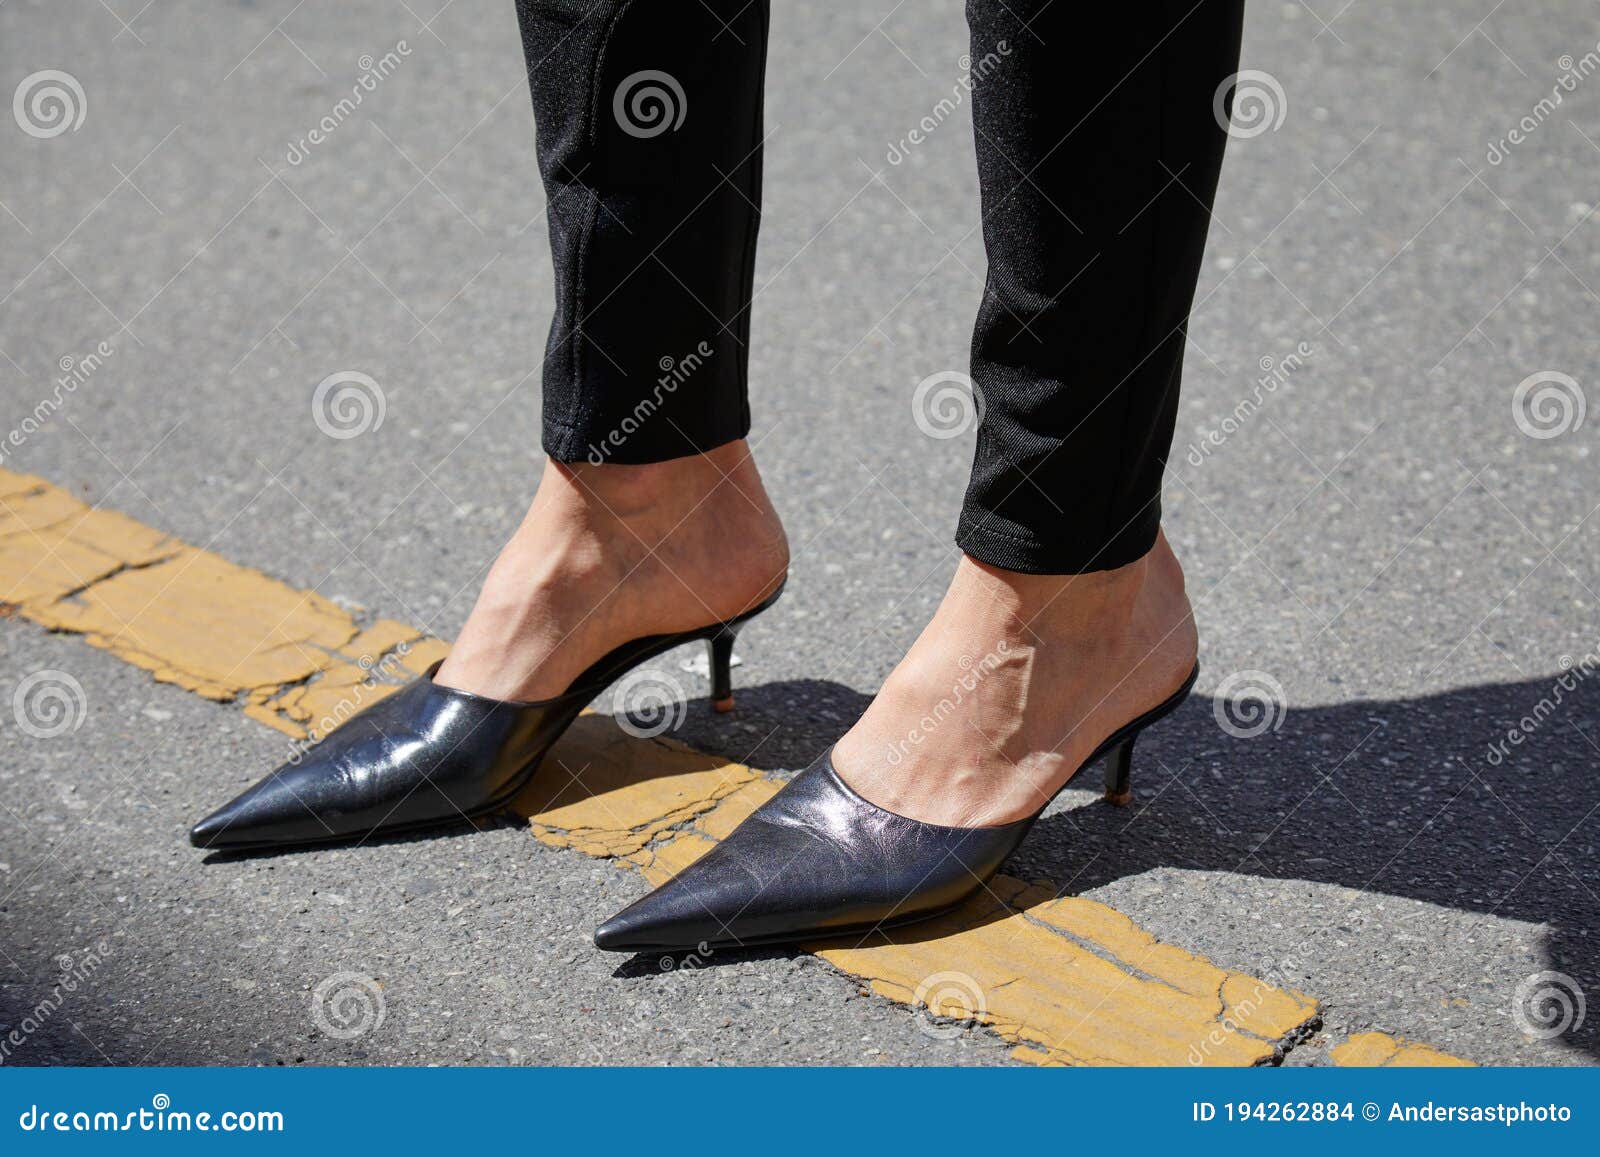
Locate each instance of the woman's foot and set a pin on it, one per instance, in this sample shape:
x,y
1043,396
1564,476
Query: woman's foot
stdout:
x,y
611,553
1013,685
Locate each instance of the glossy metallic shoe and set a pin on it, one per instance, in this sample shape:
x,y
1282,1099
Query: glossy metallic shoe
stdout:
x,y
817,860
429,755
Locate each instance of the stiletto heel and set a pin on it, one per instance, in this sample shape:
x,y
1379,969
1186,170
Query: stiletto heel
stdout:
x,y
720,648
1119,775
817,861
430,754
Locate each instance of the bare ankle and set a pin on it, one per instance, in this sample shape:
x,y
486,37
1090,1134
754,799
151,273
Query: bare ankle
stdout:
x,y
1058,608
651,484
613,552
1099,604
1066,660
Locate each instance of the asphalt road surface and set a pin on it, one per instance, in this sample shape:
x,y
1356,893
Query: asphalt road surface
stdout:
x,y
1396,537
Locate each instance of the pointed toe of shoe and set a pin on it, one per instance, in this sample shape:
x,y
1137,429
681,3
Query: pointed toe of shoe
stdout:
x,y
270,813
209,832
617,935
813,862
669,919
221,830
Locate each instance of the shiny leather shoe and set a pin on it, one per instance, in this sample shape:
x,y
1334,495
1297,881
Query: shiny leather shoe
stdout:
x,y
817,861
429,754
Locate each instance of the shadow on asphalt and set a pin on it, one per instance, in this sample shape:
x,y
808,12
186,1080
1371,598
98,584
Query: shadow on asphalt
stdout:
x,y
1426,799
1420,798
444,830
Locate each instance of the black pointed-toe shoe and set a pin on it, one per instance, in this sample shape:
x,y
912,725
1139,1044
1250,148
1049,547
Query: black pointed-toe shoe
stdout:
x,y
429,755
817,860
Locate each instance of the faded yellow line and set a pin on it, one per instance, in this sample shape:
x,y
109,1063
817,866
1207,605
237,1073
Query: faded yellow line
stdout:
x,y
292,658
1379,1049
1067,981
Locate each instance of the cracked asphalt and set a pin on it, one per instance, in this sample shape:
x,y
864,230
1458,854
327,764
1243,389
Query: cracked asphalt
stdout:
x,y
1395,539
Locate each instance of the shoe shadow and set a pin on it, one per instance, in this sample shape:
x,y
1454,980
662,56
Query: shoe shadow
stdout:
x,y
969,916
1483,800
1426,799
444,829
775,725
600,760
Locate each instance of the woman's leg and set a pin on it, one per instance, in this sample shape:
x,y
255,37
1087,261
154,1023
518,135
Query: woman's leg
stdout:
x,y
650,516
1098,157
649,137
1098,152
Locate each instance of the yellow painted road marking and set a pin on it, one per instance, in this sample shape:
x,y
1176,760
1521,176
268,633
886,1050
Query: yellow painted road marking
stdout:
x,y
1370,1049
1067,981
1070,981
189,616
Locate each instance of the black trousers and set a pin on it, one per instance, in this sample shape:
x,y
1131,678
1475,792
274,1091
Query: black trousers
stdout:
x,y
1099,146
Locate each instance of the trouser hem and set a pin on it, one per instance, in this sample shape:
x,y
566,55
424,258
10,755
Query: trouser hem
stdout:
x,y
1069,551
563,443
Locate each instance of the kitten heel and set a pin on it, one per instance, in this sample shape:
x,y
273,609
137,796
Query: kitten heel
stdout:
x,y
720,647
1119,774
